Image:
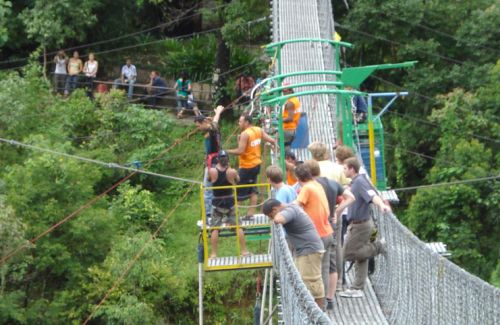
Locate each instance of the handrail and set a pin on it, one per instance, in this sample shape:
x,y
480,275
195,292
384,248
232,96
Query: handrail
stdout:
x,y
314,92
306,40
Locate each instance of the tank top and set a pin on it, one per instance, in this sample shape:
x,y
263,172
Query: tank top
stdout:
x,y
74,66
223,198
251,156
292,125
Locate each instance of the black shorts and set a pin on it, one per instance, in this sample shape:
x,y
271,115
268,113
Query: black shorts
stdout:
x,y
247,176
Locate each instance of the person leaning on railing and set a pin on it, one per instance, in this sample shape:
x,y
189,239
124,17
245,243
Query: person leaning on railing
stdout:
x,y
306,242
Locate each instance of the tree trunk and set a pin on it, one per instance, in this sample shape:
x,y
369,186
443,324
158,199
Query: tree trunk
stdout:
x,y
45,62
221,96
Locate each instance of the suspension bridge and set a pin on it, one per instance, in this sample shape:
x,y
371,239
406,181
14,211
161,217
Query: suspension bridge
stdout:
x,y
414,283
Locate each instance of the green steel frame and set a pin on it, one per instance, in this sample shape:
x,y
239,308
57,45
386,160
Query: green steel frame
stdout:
x,y
349,77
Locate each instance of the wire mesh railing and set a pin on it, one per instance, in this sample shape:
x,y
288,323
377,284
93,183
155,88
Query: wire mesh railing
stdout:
x,y
418,286
298,305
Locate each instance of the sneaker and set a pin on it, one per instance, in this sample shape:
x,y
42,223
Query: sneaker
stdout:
x,y
352,293
329,304
383,247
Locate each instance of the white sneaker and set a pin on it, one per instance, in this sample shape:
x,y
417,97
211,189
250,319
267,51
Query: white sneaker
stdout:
x,y
352,293
383,247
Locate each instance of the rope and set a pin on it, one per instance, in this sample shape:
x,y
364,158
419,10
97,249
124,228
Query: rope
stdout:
x,y
465,181
190,35
442,57
119,37
138,255
88,203
97,162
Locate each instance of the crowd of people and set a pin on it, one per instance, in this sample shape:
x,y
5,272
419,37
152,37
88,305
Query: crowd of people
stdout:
x,y
333,198
322,203
72,73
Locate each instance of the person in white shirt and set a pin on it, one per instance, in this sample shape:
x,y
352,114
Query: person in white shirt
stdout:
x,y
60,60
90,69
128,76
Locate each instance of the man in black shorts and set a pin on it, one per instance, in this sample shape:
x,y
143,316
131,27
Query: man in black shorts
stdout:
x,y
249,151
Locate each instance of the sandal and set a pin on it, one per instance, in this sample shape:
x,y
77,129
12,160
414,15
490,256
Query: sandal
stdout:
x,y
247,254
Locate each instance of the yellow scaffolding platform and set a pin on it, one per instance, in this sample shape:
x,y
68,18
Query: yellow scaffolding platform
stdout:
x,y
258,227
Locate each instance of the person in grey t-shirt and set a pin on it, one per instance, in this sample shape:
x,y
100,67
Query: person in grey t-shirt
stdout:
x,y
358,247
306,241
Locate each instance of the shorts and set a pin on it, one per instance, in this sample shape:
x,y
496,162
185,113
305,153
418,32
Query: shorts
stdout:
x,y
247,176
222,216
333,257
309,267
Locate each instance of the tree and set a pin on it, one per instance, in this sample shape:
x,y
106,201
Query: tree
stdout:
x,y
51,22
5,10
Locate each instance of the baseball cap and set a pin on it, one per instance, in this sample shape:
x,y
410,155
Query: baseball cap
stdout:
x,y
222,153
199,118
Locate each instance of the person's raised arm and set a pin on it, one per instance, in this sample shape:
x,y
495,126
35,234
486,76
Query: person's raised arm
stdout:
x,y
218,111
242,144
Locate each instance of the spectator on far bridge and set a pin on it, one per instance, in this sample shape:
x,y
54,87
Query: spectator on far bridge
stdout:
x,y
128,76
75,66
306,242
60,60
156,88
183,86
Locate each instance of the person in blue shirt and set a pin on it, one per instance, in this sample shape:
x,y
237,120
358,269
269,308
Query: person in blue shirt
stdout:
x,y
282,192
156,89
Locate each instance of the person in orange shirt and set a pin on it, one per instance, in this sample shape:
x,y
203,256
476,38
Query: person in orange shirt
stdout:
x,y
291,116
290,162
313,199
249,152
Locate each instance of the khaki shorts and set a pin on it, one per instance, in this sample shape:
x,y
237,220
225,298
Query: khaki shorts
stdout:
x,y
309,267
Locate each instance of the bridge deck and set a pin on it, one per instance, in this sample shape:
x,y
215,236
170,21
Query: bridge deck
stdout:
x,y
366,310
313,19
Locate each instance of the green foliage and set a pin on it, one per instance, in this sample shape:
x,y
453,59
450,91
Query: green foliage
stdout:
x,y
240,27
5,10
136,208
141,296
447,129
52,22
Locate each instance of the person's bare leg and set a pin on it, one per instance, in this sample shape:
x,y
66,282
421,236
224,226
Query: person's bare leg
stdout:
x,y
253,203
213,240
332,286
320,302
243,245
